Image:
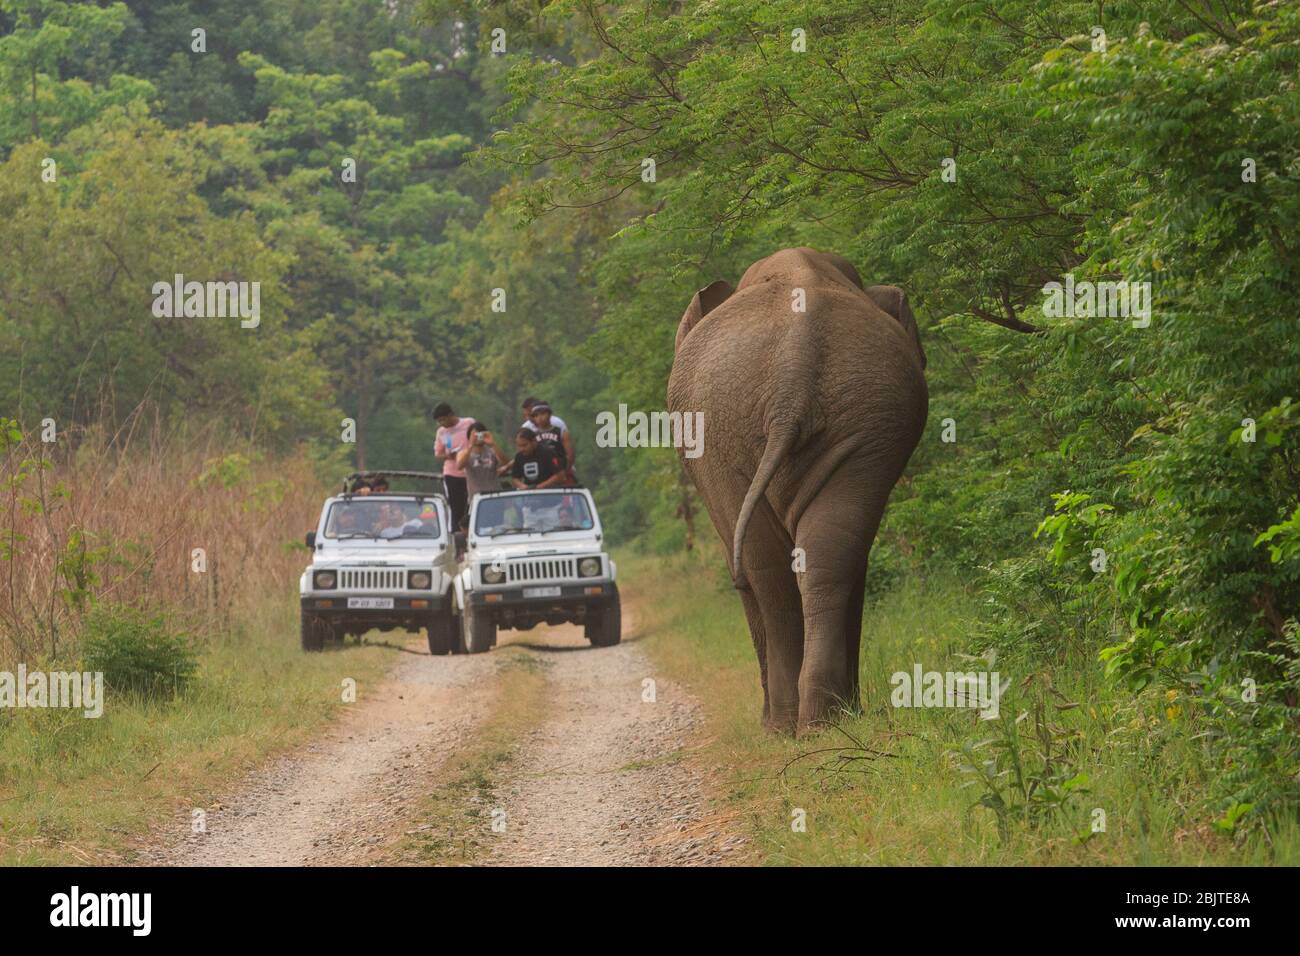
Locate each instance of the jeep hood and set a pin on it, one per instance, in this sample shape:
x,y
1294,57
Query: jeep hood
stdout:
x,y
538,547
336,557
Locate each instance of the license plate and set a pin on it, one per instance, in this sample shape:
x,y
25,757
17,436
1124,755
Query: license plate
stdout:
x,y
541,592
370,604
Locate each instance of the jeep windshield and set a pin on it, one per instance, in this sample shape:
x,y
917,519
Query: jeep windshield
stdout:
x,y
531,514
382,519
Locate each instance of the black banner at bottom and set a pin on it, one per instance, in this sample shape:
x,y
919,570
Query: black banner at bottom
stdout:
x,y
337,905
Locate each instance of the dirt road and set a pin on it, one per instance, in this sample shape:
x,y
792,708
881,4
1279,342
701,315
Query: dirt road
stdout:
x,y
603,778
606,779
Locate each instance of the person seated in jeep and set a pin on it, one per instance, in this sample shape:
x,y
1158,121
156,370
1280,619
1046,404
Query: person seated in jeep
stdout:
x,y
536,465
497,516
343,522
390,515
556,511
381,519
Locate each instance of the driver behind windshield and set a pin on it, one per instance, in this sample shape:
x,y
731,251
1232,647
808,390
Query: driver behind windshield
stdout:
x,y
383,519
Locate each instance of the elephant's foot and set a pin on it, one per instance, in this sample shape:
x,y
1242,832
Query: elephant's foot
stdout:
x,y
781,722
819,708
812,726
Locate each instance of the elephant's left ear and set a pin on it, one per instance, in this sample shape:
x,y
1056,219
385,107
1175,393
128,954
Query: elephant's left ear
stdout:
x,y
703,302
893,300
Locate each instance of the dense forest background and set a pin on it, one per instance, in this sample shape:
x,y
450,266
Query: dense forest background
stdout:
x,y
1132,491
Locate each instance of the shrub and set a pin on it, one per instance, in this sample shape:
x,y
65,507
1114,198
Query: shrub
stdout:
x,y
138,654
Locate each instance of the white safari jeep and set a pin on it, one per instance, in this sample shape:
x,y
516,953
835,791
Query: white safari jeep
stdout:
x,y
382,560
535,556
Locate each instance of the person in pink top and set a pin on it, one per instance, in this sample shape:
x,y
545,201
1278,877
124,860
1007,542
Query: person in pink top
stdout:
x,y
452,437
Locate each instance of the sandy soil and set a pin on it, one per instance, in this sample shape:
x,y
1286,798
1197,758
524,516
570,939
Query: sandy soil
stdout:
x,y
332,801
603,779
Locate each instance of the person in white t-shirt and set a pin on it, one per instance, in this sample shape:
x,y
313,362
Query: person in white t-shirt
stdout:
x,y
529,404
551,428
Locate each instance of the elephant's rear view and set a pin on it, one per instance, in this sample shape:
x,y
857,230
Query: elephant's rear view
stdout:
x,y
813,395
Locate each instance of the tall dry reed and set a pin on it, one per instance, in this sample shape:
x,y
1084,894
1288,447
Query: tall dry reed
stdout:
x,y
118,517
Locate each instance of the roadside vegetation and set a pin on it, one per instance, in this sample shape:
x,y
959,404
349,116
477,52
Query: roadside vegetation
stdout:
x,y
203,677
1105,508
1075,771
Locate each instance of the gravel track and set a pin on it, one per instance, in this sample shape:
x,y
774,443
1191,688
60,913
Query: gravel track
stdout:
x,y
603,779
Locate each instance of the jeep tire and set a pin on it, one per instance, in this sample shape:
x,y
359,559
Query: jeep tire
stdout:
x,y
314,632
443,633
604,628
478,631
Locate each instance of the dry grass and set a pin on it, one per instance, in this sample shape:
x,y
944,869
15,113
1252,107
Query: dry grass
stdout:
x,y
112,518
101,517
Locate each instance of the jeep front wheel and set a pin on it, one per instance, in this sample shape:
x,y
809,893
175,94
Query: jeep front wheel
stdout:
x,y
604,628
313,631
477,631
442,633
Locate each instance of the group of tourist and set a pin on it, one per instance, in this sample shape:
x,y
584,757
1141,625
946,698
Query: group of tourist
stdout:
x,y
473,462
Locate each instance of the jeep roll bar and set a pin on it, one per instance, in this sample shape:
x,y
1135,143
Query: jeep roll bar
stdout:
x,y
350,482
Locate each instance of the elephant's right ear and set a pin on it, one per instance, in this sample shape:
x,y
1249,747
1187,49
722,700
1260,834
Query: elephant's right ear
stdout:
x,y
893,300
704,302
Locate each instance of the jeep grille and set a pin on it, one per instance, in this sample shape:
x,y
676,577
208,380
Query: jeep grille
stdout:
x,y
541,569
372,579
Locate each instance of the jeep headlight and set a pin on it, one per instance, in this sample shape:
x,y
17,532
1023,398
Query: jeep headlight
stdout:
x,y
419,580
493,575
589,567
325,580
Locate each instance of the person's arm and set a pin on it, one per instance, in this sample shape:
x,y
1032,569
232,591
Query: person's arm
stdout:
x,y
462,456
496,450
440,447
517,483
567,439
556,476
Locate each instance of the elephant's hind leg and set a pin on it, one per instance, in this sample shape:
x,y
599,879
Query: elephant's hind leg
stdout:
x,y
771,600
835,531
772,603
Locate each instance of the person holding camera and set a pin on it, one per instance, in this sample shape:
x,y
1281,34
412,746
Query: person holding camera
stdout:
x,y
481,459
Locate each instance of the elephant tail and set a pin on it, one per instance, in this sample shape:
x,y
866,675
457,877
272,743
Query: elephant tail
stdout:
x,y
781,440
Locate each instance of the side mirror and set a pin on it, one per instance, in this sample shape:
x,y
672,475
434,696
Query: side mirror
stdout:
x,y
311,540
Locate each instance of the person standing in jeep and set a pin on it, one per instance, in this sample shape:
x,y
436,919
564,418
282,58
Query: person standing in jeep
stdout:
x,y
551,429
537,464
482,460
451,439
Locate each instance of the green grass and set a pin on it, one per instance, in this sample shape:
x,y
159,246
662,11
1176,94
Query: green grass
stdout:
x,y
1141,764
76,790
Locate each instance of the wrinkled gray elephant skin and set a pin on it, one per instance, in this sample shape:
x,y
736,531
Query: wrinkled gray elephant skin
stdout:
x,y
813,393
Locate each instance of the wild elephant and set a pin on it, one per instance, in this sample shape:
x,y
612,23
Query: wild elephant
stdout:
x,y
813,393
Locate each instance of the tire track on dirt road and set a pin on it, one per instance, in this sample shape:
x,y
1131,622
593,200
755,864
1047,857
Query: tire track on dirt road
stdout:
x,y
603,777
340,798
606,779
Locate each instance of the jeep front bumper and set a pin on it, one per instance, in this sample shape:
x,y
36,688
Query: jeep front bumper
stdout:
x,y
337,604
589,594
